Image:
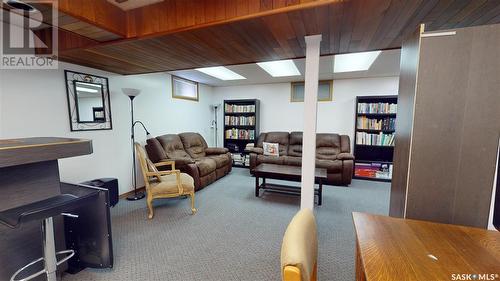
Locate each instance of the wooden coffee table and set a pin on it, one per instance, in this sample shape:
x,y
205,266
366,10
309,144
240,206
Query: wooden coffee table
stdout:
x,y
288,173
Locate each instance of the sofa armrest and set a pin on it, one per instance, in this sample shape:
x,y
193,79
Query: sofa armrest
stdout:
x,y
216,150
345,156
256,150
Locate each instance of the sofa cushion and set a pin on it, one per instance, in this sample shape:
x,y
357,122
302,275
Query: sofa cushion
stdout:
x,y
155,150
205,165
327,146
221,160
295,144
293,160
173,146
194,144
270,159
216,150
332,166
260,140
281,138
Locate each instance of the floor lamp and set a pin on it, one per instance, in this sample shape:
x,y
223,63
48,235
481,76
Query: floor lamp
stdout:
x,y
132,93
214,122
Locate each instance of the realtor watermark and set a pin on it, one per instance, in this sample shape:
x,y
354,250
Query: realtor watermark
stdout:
x,y
475,276
29,34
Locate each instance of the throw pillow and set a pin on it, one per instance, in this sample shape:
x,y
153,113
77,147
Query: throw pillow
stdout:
x,y
271,149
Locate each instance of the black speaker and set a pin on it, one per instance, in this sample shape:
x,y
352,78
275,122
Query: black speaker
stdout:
x,y
111,184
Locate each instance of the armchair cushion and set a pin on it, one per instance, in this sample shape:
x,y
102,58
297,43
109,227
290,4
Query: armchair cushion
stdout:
x,y
168,184
345,156
216,150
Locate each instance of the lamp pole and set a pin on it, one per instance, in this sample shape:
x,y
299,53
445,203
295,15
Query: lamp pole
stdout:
x,y
132,93
136,195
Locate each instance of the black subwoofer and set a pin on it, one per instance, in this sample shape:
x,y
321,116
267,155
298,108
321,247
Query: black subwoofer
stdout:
x,y
111,184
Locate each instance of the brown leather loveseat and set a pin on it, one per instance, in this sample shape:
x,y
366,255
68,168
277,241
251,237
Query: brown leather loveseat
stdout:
x,y
192,156
333,152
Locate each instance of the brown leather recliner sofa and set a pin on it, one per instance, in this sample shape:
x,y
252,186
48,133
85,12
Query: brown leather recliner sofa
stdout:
x,y
192,156
333,152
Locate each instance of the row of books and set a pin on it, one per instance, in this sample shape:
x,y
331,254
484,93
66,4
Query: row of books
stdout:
x,y
240,120
386,124
241,159
377,107
237,134
239,108
373,170
375,139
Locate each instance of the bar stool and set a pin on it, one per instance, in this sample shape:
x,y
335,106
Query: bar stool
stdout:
x,y
42,210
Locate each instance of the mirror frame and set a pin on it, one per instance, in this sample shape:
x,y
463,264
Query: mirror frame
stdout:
x,y
75,125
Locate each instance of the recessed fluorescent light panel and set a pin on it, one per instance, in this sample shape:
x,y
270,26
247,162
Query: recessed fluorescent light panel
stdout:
x,y
280,68
221,72
354,61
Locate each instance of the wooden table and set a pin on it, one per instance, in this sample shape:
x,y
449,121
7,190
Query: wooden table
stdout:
x,y
402,249
288,173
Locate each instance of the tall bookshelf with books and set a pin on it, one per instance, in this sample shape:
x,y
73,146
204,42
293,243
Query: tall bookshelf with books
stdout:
x,y
375,127
241,127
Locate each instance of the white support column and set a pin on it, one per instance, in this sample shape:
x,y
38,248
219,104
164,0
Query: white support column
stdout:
x,y
310,112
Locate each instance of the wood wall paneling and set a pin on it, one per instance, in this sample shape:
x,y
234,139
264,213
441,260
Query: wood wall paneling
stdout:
x,y
438,120
480,134
406,99
454,137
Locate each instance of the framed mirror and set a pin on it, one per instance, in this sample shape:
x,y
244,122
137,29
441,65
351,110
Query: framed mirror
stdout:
x,y
88,101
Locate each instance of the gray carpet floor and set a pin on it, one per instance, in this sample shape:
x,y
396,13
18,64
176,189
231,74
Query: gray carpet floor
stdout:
x,y
234,235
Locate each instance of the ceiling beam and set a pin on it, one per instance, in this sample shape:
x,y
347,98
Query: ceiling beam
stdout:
x,y
172,16
100,13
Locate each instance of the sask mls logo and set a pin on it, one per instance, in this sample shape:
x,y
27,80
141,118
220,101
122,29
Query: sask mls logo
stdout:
x,y
475,276
28,34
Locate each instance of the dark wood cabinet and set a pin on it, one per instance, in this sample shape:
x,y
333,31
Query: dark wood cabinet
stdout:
x,y
448,126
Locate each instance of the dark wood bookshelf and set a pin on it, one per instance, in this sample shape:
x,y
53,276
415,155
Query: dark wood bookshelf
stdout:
x,y
237,146
372,157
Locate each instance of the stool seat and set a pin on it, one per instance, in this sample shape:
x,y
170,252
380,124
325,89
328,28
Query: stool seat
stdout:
x,y
39,210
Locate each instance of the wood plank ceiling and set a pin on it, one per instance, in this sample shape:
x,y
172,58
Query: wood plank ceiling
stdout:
x,y
185,34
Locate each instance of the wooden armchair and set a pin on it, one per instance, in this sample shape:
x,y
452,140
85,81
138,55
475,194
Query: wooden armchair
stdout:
x,y
299,251
163,184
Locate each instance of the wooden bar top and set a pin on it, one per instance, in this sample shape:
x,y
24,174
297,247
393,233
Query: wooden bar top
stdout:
x,y
403,249
15,152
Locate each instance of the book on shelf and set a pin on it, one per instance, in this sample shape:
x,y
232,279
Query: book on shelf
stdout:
x,y
386,124
373,170
380,139
239,134
239,120
241,159
233,108
380,108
